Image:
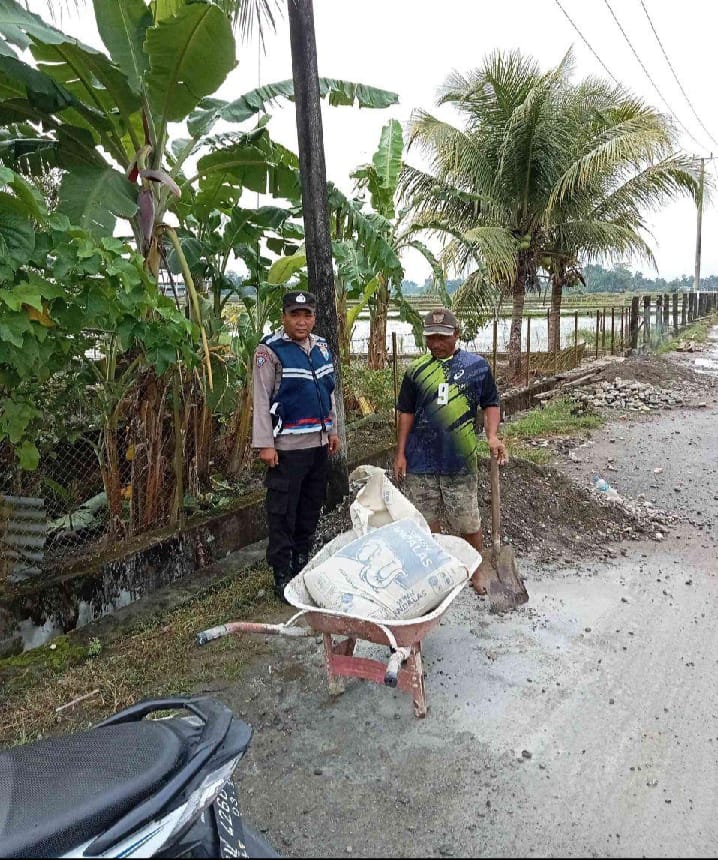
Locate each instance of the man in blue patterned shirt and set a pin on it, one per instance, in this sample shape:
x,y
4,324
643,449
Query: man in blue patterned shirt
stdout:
x,y
436,452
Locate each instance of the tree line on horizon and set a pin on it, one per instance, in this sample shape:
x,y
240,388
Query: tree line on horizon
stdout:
x,y
598,279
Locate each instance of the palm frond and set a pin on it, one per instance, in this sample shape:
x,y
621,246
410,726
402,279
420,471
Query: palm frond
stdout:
x,y
475,300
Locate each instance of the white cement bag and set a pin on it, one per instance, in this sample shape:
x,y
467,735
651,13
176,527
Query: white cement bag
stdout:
x,y
394,572
379,502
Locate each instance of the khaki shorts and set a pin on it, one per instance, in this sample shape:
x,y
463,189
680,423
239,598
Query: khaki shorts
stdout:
x,y
456,494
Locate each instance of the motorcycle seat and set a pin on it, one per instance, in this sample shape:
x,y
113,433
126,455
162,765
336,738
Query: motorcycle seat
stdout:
x,y
95,778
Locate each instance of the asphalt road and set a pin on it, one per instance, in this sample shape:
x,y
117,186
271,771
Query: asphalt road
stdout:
x,y
584,724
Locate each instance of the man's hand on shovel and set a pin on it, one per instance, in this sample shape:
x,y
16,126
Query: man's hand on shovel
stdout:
x,y
498,450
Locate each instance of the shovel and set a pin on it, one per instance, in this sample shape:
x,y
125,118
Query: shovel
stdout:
x,y
504,585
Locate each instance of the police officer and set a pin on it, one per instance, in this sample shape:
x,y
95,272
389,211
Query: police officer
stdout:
x,y
294,431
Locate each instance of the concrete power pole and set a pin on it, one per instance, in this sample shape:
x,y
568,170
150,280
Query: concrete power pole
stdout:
x,y
699,226
312,167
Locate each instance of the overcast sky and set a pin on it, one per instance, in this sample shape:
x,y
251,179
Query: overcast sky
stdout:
x,y
410,46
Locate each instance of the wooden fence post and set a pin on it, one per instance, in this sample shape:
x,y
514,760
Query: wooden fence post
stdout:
x,y
634,323
598,328
575,338
659,317
613,331
548,332
684,310
646,318
603,331
496,340
675,313
622,332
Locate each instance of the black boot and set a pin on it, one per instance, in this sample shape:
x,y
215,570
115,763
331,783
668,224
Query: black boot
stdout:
x,y
299,561
282,577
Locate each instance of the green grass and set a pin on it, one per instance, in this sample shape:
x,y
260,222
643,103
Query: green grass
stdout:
x,y
154,656
556,418
698,333
54,657
537,456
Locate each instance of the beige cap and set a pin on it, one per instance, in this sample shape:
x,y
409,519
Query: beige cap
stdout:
x,y
440,321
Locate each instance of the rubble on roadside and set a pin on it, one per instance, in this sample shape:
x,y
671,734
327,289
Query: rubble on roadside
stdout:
x,y
627,394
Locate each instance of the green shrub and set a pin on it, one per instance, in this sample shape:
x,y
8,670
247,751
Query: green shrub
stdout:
x,y
377,386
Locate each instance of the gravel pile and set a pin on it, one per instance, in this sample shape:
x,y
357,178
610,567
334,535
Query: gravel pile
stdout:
x,y
628,394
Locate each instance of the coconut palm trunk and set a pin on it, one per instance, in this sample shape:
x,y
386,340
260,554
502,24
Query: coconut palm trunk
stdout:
x,y
518,296
558,279
315,207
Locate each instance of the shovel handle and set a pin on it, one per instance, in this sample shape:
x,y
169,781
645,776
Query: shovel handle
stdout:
x,y
495,506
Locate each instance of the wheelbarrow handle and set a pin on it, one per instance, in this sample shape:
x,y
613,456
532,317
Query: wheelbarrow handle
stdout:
x,y
391,678
287,629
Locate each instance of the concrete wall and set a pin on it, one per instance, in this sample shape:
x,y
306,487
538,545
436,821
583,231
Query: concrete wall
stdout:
x,y
36,610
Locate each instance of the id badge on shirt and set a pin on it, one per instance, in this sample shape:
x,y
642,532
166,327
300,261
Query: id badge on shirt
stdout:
x,y
442,394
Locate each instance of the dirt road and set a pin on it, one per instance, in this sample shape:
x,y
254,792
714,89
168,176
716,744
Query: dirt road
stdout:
x,y
585,724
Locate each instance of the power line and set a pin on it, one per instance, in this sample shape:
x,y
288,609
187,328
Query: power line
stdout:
x,y
673,71
645,72
586,42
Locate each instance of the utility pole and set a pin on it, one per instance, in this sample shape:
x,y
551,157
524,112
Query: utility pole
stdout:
x,y
315,206
699,224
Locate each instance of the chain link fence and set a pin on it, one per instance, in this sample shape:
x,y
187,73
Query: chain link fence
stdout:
x,y
114,468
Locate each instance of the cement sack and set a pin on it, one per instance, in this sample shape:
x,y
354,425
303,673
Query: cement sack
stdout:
x,y
394,572
379,502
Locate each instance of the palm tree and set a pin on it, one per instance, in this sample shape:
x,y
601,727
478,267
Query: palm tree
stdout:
x,y
597,210
540,169
491,180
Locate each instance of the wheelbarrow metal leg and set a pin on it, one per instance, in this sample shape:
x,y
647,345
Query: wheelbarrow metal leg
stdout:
x,y
416,667
341,664
345,648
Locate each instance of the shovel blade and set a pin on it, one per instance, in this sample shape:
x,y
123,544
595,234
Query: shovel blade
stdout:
x,y
507,590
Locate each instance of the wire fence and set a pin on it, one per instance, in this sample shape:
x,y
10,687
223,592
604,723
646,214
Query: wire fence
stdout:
x,y
103,481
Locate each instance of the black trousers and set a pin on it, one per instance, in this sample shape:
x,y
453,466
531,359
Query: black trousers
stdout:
x,y
296,489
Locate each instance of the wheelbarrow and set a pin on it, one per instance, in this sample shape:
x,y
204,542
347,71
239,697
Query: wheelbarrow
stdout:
x,y
404,669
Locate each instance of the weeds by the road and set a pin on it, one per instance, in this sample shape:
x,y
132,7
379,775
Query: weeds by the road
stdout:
x,y
152,658
556,418
698,333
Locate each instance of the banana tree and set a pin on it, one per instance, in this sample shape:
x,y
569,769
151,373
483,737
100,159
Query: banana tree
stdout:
x,y
209,246
107,117
104,119
74,304
400,232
